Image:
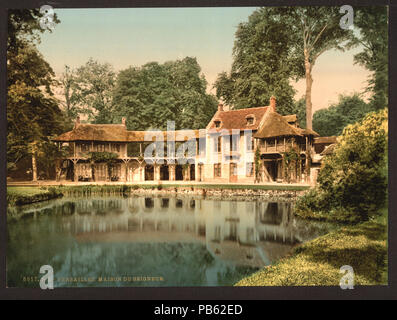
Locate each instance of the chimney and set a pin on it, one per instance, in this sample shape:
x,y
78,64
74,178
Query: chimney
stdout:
x,y
123,119
273,103
77,122
220,106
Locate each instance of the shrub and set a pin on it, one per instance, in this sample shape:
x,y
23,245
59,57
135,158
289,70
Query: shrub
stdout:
x,y
352,183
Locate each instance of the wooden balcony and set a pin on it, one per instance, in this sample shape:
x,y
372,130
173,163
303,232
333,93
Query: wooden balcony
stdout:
x,y
266,148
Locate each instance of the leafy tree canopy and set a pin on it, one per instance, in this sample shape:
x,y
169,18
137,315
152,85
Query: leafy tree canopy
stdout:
x,y
348,110
261,65
156,93
372,23
89,90
32,111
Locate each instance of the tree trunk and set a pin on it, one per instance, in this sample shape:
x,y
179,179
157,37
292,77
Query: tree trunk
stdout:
x,y
34,166
308,96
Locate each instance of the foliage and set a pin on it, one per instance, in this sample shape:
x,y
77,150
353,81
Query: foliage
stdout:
x,y
105,156
257,164
348,110
300,110
352,183
261,66
372,23
33,115
153,94
317,263
292,163
89,90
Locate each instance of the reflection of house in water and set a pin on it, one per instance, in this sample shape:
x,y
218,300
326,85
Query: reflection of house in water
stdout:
x,y
247,233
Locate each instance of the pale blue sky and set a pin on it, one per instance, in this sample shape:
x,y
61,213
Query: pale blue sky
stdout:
x,y
125,37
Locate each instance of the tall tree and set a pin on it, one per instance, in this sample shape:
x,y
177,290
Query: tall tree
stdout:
x,y
153,94
261,64
372,23
312,31
32,111
92,86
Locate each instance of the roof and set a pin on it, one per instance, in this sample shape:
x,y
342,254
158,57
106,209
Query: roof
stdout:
x,y
237,119
328,150
328,140
119,133
290,118
99,132
178,135
275,125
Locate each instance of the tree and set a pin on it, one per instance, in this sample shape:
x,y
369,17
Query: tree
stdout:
x,y
352,183
312,31
300,111
32,111
156,93
261,65
92,86
372,23
348,110
68,83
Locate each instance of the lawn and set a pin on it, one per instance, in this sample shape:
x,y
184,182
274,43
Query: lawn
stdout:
x,y
317,263
25,191
26,195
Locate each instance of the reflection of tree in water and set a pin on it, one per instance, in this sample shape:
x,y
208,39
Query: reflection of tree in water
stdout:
x,y
45,237
33,244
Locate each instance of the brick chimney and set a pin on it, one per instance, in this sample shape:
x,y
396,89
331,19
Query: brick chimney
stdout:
x,y
273,103
220,106
123,121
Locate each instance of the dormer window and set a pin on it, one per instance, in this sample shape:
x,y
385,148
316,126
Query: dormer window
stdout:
x,y
217,124
250,119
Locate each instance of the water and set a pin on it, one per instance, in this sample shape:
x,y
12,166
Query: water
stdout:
x,y
150,241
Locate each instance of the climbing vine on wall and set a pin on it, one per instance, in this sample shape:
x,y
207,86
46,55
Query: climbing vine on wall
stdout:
x,y
292,162
257,164
107,157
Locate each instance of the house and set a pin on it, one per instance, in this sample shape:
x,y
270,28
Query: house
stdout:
x,y
227,150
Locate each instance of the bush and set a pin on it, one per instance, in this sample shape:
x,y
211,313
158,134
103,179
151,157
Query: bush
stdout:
x,y
352,183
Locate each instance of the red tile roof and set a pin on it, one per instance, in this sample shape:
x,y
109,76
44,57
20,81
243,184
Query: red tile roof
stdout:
x,y
237,119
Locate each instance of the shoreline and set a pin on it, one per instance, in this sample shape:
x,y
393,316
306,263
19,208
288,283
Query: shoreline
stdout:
x,y
362,246
16,196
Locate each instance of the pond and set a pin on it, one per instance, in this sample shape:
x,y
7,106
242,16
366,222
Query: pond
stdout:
x,y
110,241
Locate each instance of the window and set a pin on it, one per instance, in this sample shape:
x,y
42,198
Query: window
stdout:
x,y
217,170
100,147
85,147
115,147
249,169
250,121
218,144
217,124
234,142
249,143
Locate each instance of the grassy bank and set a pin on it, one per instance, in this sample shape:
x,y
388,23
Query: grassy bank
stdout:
x,y
317,263
160,186
26,195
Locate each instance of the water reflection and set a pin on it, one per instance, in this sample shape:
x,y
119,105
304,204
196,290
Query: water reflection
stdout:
x,y
186,241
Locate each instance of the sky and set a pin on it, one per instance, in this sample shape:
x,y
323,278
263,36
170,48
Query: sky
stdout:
x,y
135,36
